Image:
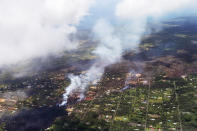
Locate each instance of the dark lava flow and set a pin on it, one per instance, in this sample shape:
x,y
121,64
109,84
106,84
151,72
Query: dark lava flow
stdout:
x,y
33,119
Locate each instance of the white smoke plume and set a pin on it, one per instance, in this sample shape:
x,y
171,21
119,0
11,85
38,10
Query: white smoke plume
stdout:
x,y
112,44
108,52
34,28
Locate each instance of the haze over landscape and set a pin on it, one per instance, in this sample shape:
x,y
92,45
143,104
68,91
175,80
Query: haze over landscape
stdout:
x,y
98,65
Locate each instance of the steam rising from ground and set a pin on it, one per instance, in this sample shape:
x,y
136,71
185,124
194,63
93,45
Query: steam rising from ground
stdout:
x,y
113,44
108,52
34,28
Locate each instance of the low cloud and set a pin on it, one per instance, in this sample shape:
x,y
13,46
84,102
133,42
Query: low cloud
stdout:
x,y
36,28
142,9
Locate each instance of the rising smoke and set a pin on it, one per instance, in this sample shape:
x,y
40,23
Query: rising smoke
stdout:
x,y
37,28
112,44
108,52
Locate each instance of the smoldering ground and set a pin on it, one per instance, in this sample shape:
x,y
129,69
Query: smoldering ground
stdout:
x,y
135,15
